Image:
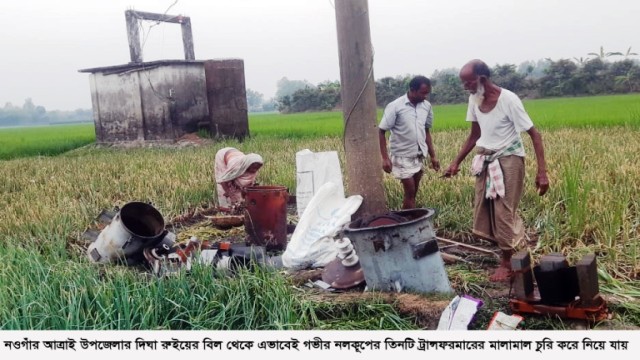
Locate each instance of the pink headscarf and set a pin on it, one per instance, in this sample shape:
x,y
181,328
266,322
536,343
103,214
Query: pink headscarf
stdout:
x,y
232,176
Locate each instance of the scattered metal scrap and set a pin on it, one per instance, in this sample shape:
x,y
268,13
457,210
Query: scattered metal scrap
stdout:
x,y
562,290
221,255
136,235
456,243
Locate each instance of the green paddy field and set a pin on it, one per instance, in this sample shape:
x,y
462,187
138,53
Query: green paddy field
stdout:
x,y
55,181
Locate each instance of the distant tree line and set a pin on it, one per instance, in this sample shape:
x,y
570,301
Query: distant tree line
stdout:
x,y
256,102
324,96
30,114
531,79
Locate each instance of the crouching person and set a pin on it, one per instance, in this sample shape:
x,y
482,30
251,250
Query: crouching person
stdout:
x,y
234,172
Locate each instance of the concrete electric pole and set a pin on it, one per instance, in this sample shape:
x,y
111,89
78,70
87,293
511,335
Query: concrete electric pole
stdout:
x,y
364,164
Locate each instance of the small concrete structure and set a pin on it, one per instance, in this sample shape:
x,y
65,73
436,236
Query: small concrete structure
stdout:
x,y
163,100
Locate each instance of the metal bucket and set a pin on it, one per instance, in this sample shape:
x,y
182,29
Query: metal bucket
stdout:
x,y
136,226
265,216
400,256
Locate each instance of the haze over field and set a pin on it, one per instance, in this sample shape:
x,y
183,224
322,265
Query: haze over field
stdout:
x,y
45,43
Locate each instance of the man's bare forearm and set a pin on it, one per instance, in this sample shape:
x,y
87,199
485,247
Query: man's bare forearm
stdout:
x,y
383,144
538,148
430,148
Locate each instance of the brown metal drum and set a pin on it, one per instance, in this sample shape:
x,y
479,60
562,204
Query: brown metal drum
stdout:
x,y
265,216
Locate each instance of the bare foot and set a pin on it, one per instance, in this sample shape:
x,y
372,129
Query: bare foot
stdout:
x,y
501,274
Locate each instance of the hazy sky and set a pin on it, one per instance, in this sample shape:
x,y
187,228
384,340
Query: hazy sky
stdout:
x,y
45,42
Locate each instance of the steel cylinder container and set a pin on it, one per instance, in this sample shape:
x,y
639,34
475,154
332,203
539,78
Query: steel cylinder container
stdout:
x,y
400,252
136,226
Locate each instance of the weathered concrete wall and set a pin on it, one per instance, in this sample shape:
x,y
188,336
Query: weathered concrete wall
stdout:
x,y
227,97
154,102
117,107
174,100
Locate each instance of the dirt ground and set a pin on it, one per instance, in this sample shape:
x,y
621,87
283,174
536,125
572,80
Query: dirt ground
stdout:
x,y
187,140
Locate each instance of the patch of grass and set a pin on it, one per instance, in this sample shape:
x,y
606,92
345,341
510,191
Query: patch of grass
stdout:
x,y
360,316
467,280
557,113
75,295
204,133
581,112
627,314
44,140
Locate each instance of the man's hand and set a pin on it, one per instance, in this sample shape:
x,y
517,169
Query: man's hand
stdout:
x,y
435,164
386,165
542,183
451,171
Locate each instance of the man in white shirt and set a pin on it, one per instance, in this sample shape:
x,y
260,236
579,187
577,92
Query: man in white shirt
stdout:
x,y
497,118
409,118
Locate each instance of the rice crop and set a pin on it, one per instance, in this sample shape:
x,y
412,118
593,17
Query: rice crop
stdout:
x,y
46,281
43,140
556,113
